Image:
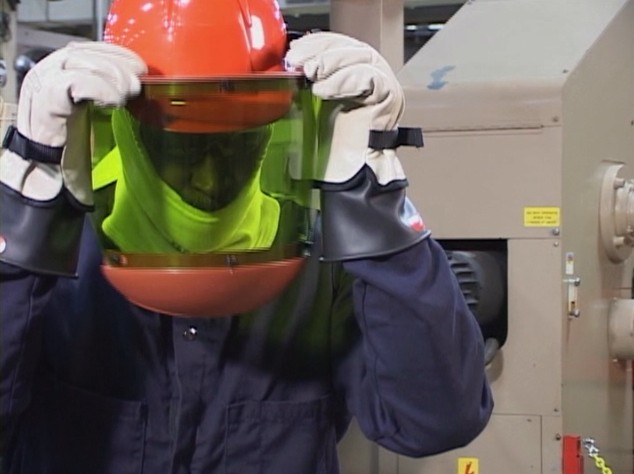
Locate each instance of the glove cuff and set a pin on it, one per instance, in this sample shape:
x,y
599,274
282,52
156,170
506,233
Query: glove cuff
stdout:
x,y
30,150
42,237
392,139
363,219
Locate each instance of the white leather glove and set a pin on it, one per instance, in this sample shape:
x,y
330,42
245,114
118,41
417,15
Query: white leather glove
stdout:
x,y
366,94
365,212
52,112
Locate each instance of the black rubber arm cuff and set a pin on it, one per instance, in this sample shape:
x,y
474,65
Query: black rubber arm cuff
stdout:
x,y
42,237
392,139
364,219
30,150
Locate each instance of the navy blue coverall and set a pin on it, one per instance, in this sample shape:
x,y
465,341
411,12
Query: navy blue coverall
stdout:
x,y
92,384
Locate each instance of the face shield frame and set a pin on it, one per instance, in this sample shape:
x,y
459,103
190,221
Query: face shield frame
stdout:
x,y
213,284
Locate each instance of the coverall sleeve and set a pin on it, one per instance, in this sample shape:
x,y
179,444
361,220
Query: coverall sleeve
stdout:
x,y
416,381
23,297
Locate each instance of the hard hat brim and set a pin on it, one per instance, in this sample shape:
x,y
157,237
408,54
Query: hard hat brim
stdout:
x,y
217,104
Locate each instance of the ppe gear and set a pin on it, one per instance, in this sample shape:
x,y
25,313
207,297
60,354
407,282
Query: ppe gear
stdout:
x,y
144,203
200,38
49,110
161,245
239,38
45,167
265,393
191,221
360,86
363,182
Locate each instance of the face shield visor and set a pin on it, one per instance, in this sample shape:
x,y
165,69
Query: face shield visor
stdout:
x,y
204,203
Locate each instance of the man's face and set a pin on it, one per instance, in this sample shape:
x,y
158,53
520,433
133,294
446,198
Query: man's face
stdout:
x,y
208,171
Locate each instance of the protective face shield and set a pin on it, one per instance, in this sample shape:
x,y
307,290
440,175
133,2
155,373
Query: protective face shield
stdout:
x,y
202,207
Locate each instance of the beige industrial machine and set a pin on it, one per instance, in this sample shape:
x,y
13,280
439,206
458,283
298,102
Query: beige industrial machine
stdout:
x,y
527,107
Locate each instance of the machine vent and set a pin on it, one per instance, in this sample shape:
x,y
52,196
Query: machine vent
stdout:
x,y
482,279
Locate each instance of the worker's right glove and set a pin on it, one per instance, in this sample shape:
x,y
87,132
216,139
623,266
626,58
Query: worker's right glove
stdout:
x,y
45,169
365,212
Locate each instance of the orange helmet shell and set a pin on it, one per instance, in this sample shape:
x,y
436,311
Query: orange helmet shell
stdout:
x,y
200,38
196,52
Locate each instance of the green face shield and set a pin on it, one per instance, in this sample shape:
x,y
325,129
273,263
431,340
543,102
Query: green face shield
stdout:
x,y
207,222
208,170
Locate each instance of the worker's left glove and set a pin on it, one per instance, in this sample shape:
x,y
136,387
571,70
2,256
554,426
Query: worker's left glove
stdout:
x,y
365,212
45,168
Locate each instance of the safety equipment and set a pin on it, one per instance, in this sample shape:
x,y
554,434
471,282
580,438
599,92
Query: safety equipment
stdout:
x,y
363,181
202,205
200,38
39,161
197,41
45,165
360,85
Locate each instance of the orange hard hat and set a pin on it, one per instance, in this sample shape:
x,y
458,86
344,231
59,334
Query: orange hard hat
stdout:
x,y
213,66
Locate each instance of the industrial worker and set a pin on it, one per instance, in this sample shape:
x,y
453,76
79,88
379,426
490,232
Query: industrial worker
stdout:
x,y
179,303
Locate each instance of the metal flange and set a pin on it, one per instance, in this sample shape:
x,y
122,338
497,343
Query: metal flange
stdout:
x,y
621,329
616,214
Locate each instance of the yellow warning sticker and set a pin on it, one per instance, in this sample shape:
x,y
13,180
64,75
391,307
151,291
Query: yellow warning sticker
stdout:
x,y
468,466
542,217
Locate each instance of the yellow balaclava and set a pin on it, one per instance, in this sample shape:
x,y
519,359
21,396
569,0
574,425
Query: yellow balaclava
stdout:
x,y
149,216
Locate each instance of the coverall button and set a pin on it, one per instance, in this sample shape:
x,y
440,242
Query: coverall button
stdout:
x,y
190,333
